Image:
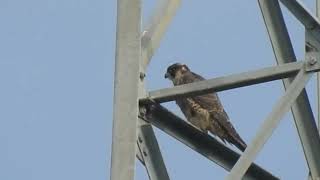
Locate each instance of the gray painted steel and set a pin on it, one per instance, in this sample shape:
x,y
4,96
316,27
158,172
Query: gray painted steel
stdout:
x,y
311,55
150,151
283,51
304,16
202,143
318,8
133,51
318,74
126,85
139,155
300,11
156,27
150,41
224,83
269,125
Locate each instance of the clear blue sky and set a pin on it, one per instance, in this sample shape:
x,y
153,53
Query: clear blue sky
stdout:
x,y
56,75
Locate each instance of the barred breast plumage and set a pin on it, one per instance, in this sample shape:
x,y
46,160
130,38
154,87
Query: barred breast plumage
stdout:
x,y
205,112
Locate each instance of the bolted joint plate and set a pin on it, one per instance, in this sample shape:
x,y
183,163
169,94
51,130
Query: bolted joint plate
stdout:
x,y
312,61
312,52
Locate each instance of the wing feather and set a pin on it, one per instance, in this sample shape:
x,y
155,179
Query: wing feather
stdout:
x,y
212,103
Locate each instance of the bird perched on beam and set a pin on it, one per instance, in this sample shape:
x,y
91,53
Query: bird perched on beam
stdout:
x,y
205,111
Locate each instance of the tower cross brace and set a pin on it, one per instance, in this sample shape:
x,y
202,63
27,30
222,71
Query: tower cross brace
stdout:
x,y
136,109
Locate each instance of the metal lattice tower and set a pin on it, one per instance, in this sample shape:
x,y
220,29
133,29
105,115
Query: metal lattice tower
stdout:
x,y
136,110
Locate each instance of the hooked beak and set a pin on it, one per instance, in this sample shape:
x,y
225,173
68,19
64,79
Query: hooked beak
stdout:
x,y
166,75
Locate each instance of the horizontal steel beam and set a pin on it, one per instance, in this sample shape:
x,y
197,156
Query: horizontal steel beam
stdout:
x,y
202,143
299,10
226,82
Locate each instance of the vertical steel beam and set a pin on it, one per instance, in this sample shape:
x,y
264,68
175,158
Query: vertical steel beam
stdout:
x,y
126,89
318,8
310,41
279,110
318,73
301,109
312,53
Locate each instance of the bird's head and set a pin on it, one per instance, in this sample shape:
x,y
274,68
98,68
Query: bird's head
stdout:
x,y
176,71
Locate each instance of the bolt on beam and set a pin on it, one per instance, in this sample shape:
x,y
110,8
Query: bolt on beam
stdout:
x,y
150,151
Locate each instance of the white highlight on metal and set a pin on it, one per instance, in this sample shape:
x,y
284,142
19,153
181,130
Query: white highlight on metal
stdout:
x,y
156,27
150,40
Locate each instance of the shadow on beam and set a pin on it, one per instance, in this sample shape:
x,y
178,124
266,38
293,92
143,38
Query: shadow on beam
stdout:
x,y
200,142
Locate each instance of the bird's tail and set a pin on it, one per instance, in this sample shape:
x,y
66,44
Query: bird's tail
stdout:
x,y
239,143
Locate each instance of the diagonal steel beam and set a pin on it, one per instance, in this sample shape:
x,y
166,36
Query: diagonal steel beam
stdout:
x,y
139,155
156,27
126,89
150,152
299,10
279,110
202,143
283,50
227,82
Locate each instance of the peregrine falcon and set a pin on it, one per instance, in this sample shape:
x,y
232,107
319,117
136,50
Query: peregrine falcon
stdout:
x,y
205,112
